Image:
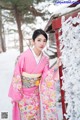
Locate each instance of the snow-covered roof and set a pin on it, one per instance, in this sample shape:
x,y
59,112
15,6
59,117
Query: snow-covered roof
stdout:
x,y
67,9
63,9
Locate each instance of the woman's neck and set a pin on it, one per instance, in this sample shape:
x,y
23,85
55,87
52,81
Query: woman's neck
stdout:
x,y
36,51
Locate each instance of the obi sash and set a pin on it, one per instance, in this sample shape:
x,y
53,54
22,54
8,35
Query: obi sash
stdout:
x,y
30,80
26,83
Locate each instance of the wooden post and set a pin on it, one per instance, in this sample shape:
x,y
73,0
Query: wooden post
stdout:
x,y
56,25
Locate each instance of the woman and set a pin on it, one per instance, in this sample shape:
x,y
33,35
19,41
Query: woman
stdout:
x,y
31,69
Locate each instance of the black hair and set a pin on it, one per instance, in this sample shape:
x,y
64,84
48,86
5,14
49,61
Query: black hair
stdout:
x,y
39,32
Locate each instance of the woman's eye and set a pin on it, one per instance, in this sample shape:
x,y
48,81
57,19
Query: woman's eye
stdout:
x,y
39,40
44,41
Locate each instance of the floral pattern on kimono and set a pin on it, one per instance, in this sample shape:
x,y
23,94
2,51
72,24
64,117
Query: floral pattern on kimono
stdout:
x,y
48,98
17,83
30,106
15,91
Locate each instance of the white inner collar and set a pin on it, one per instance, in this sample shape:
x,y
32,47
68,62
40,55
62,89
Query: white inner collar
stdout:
x,y
37,58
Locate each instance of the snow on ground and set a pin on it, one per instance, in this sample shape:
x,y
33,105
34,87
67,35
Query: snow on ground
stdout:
x,y
7,63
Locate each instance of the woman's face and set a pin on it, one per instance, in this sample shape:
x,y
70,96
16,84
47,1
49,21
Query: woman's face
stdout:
x,y
40,43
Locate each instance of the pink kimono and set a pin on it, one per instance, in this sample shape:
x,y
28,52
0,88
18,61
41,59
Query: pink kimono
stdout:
x,y
25,91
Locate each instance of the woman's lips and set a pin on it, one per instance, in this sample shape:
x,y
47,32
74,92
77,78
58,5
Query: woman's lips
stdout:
x,y
41,47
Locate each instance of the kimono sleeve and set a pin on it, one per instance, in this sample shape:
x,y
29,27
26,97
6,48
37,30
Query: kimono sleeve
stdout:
x,y
45,70
50,73
15,90
48,94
